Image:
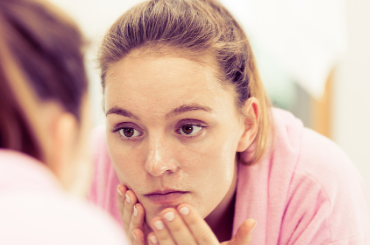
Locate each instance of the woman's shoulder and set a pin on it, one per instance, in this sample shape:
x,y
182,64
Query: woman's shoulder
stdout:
x,y
54,219
324,176
312,154
305,185
316,155
321,158
20,171
34,204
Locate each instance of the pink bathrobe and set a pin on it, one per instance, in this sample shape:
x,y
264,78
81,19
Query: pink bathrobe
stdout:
x,y
305,190
35,210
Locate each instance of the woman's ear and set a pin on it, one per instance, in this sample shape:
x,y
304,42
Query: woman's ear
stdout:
x,y
68,149
249,121
64,135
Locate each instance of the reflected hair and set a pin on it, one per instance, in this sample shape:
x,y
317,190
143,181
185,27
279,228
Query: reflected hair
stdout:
x,y
198,27
46,49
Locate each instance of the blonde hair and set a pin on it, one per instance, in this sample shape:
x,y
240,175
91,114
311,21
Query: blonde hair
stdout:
x,y
199,27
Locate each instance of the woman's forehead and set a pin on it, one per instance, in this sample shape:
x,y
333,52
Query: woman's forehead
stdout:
x,y
164,107
157,78
157,84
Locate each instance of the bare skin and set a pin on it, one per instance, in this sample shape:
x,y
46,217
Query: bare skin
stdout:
x,y
180,225
173,132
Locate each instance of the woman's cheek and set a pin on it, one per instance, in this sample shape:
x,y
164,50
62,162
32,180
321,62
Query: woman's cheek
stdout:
x,y
125,162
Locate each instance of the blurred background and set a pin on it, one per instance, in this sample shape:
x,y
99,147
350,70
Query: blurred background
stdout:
x,y
313,55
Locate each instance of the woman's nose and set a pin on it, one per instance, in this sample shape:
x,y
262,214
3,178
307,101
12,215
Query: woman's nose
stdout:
x,y
159,160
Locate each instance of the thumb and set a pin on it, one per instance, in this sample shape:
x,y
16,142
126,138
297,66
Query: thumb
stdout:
x,y
244,233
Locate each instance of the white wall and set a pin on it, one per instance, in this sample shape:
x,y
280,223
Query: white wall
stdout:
x,y
351,105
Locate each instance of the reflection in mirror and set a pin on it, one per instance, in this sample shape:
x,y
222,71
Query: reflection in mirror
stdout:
x,y
227,160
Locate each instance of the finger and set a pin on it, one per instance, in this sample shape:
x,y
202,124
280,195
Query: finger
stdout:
x,y
128,210
128,207
152,239
244,233
121,191
138,237
199,228
137,219
161,233
178,229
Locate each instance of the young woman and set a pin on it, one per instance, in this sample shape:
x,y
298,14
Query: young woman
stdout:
x,y
196,151
44,124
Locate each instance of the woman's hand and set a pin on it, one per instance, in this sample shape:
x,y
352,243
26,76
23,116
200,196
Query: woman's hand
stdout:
x,y
132,215
184,225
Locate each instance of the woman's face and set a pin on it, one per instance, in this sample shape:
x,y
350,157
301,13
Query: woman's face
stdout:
x,y
172,131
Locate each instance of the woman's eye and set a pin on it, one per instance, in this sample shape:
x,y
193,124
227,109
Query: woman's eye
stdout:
x,y
129,132
190,129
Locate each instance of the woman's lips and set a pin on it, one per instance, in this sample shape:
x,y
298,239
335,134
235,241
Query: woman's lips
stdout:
x,y
168,197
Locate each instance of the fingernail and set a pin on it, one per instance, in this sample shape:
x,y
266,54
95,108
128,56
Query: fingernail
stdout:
x,y
159,225
255,224
169,216
135,211
119,192
134,235
184,211
153,239
128,200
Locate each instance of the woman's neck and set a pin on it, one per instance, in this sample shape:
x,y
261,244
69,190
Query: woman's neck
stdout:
x,y
221,218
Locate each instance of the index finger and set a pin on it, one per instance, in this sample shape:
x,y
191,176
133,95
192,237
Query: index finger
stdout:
x,y
121,191
202,233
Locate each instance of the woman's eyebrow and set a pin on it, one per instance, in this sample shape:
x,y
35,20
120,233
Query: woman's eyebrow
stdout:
x,y
122,112
186,108
178,110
